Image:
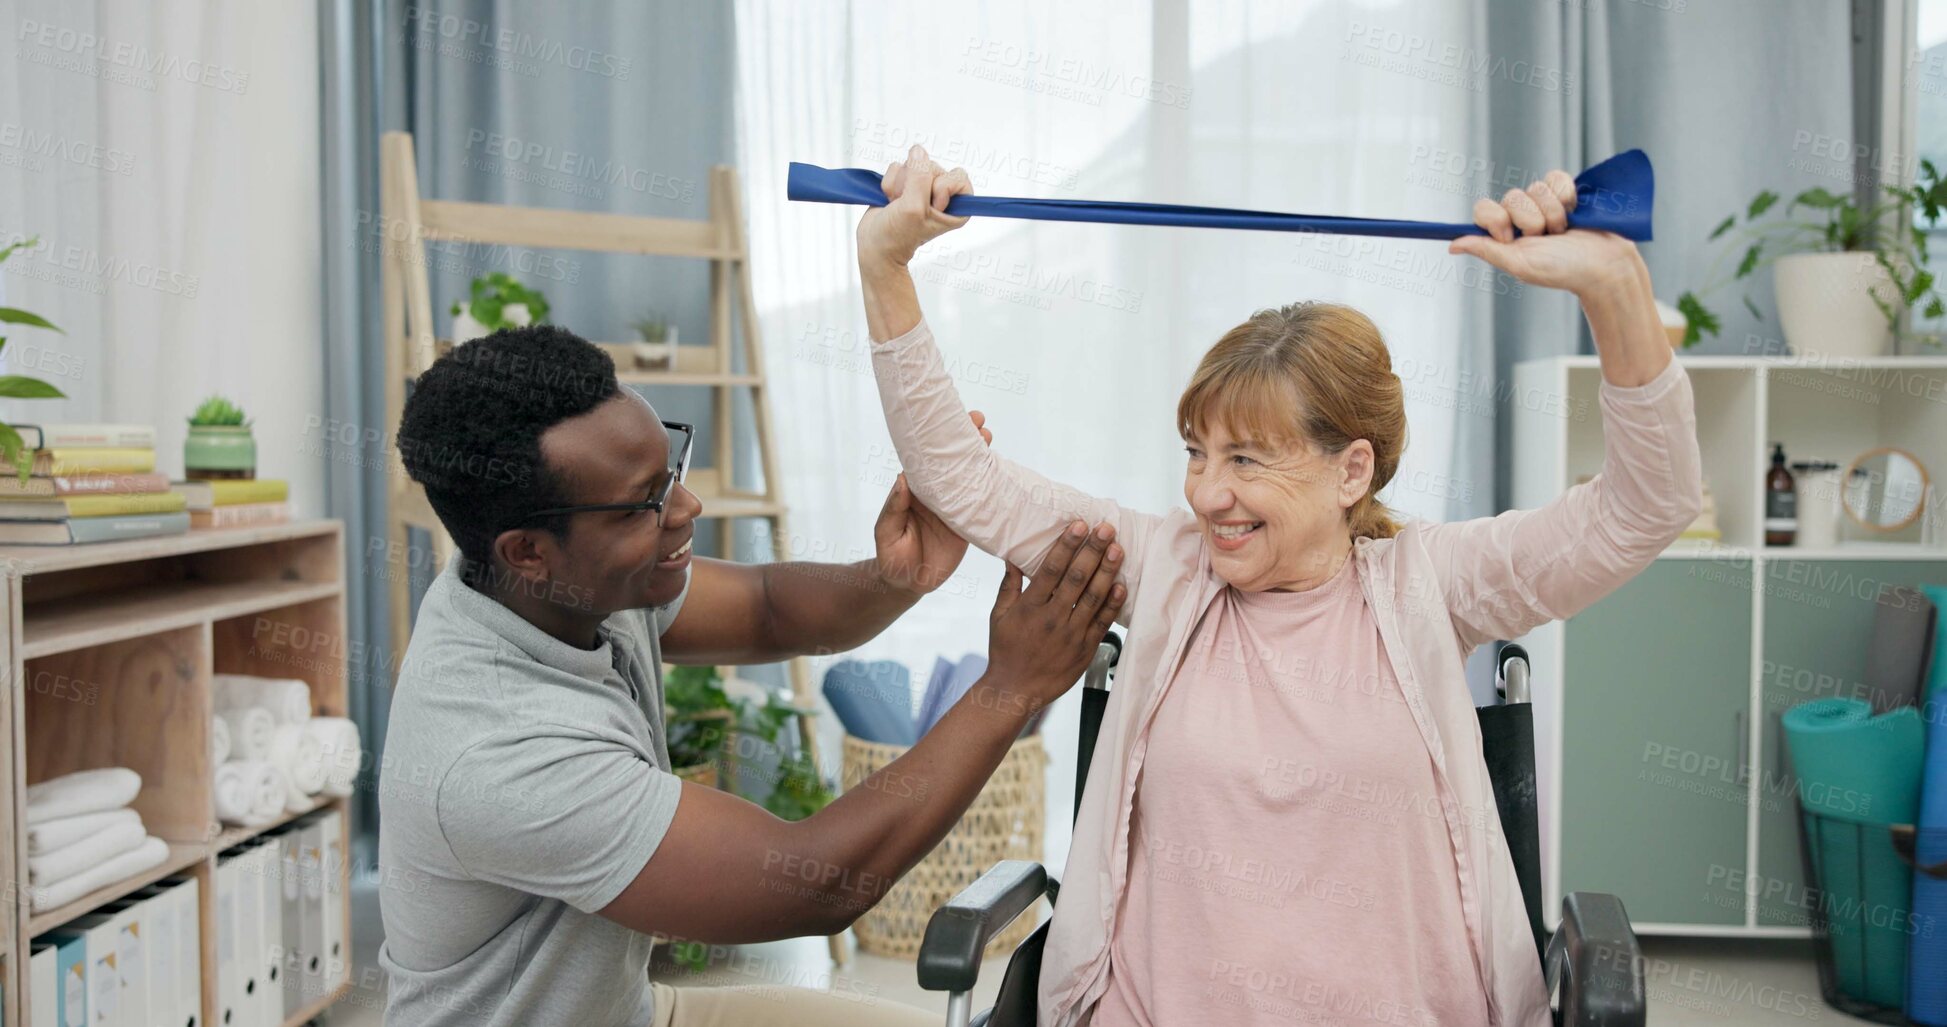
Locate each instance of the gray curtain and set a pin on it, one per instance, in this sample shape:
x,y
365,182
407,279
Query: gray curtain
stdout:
x,y
351,66
606,107
1724,95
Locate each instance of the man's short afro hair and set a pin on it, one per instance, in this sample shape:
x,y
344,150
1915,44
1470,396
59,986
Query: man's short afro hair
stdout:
x,y
471,431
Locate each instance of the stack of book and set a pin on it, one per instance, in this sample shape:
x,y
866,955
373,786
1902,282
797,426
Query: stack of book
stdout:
x,y
236,502
89,483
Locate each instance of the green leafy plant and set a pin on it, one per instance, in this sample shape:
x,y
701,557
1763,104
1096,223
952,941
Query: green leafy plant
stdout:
x,y
493,292
693,956
16,386
1820,221
800,790
651,328
218,412
703,717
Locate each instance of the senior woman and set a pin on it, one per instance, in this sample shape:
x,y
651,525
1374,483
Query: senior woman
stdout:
x,y
1289,817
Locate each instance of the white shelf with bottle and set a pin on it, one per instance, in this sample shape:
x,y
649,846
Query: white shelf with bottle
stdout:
x,y
1702,652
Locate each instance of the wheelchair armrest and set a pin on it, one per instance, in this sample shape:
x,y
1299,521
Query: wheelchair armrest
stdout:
x,y
958,933
1596,960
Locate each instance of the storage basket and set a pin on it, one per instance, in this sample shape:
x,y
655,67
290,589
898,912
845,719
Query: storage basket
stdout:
x,y
1861,909
1005,822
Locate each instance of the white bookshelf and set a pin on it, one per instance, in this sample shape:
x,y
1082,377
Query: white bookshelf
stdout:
x,y
1746,621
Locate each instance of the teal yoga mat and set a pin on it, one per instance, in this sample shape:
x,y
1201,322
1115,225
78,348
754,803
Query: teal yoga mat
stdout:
x,y
1859,773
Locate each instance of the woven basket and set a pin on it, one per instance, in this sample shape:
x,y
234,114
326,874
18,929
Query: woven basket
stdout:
x,y
1004,822
704,774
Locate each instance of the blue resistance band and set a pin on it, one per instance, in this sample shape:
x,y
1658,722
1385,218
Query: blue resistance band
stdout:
x,y
1613,196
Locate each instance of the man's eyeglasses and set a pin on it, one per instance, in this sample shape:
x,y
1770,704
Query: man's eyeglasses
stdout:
x,y
655,503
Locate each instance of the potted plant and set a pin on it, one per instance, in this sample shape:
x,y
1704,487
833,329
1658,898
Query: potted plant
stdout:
x,y
219,444
656,345
15,386
498,300
698,716
1845,275
702,716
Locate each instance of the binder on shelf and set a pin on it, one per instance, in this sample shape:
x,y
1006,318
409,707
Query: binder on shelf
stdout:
x,y
290,901
270,955
250,938
44,984
101,1002
229,968
187,895
311,871
176,964
336,942
159,932
70,995
131,961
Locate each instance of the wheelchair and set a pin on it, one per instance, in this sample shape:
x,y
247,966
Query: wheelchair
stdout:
x,y
1592,964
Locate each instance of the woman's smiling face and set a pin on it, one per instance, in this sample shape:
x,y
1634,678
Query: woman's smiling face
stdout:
x,y
1273,512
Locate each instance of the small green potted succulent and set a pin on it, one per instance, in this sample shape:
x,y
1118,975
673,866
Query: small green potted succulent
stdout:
x,y
16,386
219,444
655,345
497,300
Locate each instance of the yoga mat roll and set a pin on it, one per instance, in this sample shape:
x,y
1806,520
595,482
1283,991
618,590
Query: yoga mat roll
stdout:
x,y
1926,968
1937,671
1613,196
1859,773
874,701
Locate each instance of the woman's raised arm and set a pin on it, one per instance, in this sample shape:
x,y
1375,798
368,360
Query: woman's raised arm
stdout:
x,y
1502,576
992,502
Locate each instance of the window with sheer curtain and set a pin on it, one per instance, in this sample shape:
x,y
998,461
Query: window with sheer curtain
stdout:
x,y
1075,340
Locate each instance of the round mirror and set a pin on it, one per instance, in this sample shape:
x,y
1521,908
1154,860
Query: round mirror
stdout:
x,y
1885,489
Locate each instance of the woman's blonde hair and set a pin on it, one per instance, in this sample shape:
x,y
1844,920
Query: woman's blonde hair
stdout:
x,y
1306,373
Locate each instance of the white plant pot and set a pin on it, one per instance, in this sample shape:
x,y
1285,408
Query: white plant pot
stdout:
x,y
465,328
1825,304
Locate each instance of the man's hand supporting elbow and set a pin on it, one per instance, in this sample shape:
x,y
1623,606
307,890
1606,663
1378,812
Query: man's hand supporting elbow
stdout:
x,y
729,872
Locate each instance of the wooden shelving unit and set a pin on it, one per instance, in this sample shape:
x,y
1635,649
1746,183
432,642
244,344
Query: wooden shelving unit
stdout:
x,y
132,632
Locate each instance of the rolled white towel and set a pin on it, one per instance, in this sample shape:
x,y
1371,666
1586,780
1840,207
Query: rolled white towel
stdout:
x,y
219,741
251,728
234,792
338,743
146,856
62,832
267,790
287,699
300,754
92,851
85,791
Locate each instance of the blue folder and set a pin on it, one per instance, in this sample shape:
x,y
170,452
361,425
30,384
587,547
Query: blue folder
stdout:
x,y
1614,196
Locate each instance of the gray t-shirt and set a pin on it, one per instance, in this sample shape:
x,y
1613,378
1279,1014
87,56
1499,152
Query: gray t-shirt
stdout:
x,y
524,784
